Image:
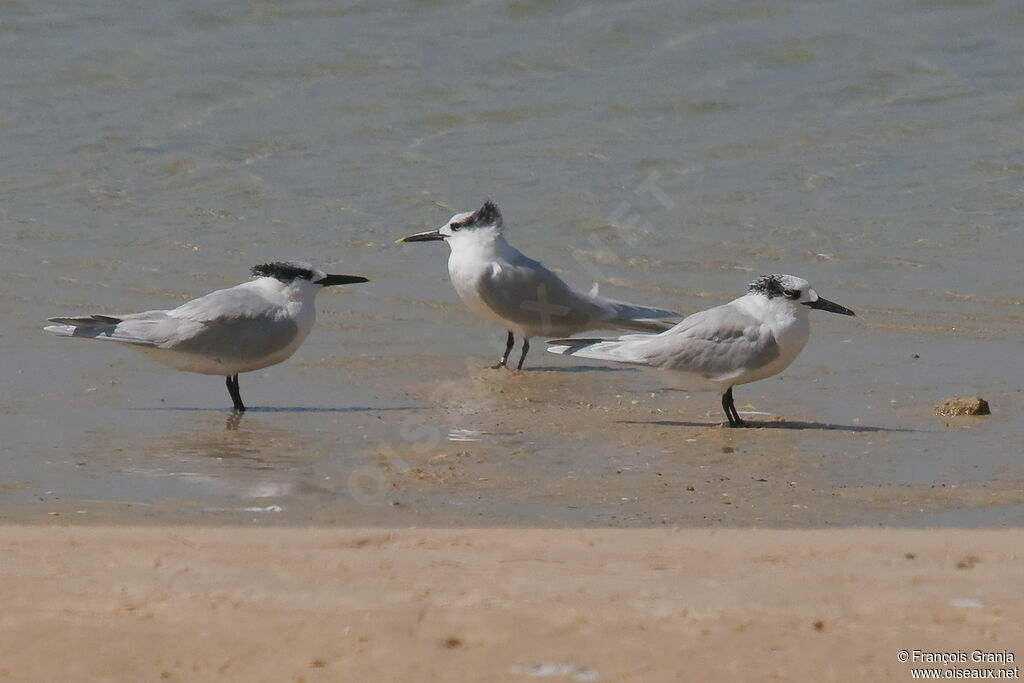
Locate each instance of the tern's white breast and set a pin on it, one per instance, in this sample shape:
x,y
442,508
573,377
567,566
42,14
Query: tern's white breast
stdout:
x,y
475,258
788,324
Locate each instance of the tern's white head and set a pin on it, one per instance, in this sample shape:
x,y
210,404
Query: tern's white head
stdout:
x,y
302,278
469,226
792,290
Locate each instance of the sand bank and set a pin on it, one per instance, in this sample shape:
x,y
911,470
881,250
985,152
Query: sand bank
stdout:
x,y
198,604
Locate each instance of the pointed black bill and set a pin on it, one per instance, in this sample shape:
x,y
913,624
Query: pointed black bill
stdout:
x,y
331,280
428,236
830,306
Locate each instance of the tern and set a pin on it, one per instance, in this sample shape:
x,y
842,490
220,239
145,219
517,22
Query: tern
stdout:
x,y
750,338
499,283
247,327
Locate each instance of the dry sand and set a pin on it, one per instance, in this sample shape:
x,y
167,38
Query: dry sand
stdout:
x,y
198,604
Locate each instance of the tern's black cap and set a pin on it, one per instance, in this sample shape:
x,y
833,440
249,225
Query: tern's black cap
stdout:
x,y
285,271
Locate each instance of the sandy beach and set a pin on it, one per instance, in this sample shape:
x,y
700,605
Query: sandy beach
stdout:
x,y
318,604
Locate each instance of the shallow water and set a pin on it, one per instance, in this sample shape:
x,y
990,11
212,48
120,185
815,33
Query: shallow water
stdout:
x,y
669,151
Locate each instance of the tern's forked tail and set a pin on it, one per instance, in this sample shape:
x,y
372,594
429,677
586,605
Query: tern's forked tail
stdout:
x,y
81,325
628,316
106,327
600,349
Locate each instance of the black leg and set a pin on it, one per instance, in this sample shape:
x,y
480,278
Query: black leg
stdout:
x,y
526,349
730,410
508,349
236,397
735,413
737,420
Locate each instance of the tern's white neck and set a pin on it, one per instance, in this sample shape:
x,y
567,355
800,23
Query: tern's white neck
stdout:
x,y
297,291
776,311
477,241
789,324
479,247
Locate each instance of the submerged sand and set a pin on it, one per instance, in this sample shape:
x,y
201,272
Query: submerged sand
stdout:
x,y
551,447
318,604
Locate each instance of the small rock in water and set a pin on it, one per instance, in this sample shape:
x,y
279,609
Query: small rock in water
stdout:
x,y
953,407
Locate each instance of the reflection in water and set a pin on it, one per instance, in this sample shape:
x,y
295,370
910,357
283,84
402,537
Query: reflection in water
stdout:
x,y
456,434
235,417
234,420
245,438
285,454
246,458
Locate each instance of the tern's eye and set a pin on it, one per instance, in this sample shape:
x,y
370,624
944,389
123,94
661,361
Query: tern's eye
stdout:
x,y
455,226
791,293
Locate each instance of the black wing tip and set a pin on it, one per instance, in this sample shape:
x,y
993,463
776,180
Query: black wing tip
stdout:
x,y
85,320
576,341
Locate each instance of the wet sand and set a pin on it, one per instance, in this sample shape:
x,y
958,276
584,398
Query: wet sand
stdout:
x,y
316,604
554,446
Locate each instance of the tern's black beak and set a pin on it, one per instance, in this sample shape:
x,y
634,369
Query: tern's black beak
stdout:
x,y
428,236
331,280
826,305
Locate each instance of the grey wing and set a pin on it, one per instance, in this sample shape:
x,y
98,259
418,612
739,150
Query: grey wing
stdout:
x,y
224,304
231,323
529,294
717,344
235,339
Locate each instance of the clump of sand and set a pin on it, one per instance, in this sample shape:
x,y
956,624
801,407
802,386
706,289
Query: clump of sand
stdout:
x,y
955,407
